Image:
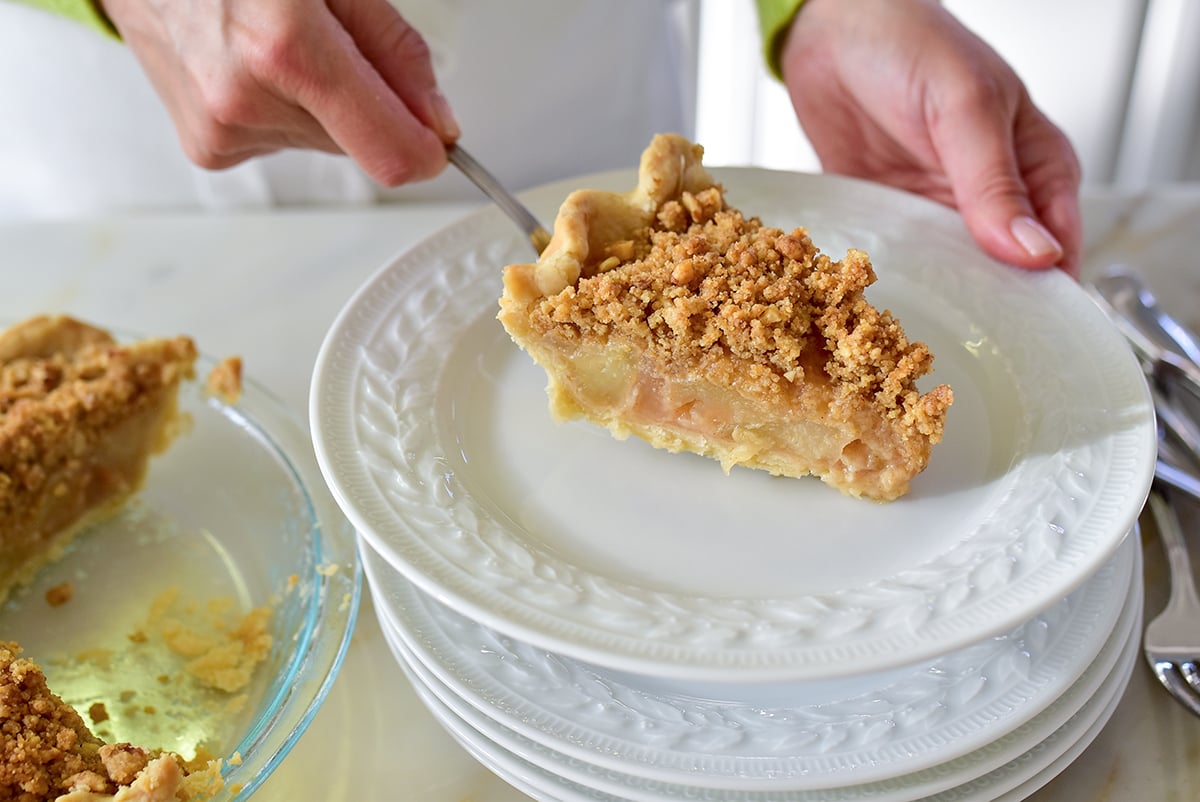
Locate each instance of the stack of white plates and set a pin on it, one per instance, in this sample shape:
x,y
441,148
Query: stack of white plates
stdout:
x,y
598,620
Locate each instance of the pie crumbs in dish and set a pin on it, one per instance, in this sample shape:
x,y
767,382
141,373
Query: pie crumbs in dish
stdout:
x,y
173,574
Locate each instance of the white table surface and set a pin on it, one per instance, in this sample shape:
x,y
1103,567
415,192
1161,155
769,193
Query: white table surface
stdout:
x,y
267,285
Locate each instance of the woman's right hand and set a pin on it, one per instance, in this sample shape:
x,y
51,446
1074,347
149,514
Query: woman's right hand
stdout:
x,y
241,78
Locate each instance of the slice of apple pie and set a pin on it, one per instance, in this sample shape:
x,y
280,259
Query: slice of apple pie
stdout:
x,y
80,415
666,314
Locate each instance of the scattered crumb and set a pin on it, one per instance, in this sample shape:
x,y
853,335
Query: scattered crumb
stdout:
x,y
98,713
204,783
328,569
225,380
60,594
220,656
229,666
137,636
235,759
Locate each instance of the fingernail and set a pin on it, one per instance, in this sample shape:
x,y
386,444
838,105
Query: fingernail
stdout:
x,y
446,123
1034,237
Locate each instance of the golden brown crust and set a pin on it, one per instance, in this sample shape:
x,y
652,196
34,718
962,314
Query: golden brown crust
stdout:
x,y
696,289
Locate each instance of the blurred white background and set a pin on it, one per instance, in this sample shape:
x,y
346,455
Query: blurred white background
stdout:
x,y
1121,77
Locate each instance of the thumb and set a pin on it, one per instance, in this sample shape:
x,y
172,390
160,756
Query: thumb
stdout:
x,y
978,155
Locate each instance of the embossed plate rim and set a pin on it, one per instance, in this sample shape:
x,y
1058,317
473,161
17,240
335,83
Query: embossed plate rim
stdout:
x,y
1011,762
556,706
378,362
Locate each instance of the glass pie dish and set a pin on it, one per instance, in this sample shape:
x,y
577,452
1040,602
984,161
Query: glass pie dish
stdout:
x,y
232,518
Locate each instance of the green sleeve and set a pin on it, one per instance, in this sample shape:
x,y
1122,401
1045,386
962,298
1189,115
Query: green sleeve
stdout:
x,y
774,19
87,12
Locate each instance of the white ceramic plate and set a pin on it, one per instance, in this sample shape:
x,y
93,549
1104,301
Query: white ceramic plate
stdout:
x,y
777,736
432,431
1024,760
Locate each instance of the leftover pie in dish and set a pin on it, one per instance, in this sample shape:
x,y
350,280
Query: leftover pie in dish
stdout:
x,y
664,313
80,416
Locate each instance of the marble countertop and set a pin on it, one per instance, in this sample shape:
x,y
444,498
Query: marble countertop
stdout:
x,y
267,285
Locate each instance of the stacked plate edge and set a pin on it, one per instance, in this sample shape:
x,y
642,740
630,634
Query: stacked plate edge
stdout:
x,y
607,731
431,430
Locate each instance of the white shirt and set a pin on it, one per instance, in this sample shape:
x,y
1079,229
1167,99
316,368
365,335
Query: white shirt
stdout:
x,y
543,89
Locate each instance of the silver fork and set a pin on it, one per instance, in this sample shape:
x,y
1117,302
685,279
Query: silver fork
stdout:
x,y
1172,640
517,212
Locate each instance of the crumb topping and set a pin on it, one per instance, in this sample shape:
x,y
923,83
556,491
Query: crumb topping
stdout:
x,y
47,751
225,380
45,742
51,404
706,281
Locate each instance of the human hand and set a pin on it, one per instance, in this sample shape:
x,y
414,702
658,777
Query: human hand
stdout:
x,y
900,92
241,78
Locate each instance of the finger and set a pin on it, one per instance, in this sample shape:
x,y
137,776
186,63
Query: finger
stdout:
x,y
216,141
1063,218
323,71
250,143
1052,175
973,139
403,59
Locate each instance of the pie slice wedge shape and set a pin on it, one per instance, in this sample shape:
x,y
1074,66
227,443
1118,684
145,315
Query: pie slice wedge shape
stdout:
x,y
666,314
80,416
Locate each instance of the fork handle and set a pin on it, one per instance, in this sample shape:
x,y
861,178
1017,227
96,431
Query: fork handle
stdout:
x,y
1183,588
491,186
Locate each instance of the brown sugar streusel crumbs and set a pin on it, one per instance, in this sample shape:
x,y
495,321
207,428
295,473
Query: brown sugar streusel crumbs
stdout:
x,y
60,594
711,279
98,713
